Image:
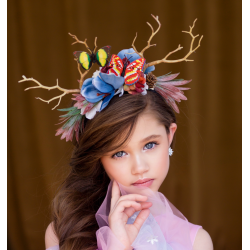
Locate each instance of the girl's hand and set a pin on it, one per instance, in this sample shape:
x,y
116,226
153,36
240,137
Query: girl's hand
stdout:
x,y
123,207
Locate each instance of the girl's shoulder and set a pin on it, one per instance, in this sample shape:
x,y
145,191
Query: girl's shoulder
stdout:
x,y
200,238
51,240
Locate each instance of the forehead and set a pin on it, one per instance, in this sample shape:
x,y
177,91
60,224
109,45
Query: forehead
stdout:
x,y
146,125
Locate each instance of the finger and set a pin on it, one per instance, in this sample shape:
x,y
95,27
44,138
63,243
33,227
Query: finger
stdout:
x,y
133,197
115,195
142,216
146,204
130,210
120,207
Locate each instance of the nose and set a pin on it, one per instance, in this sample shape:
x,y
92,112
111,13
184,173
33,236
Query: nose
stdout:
x,y
139,164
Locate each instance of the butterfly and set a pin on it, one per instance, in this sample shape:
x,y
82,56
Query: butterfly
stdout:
x,y
130,71
86,59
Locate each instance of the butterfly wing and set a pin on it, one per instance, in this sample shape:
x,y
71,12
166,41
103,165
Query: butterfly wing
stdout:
x,y
116,64
102,55
131,74
84,59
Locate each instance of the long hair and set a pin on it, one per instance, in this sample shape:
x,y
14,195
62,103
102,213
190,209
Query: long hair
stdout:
x,y
84,189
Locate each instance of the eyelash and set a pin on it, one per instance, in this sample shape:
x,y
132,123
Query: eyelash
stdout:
x,y
153,142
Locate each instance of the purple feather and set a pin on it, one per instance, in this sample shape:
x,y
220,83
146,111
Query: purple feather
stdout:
x,y
178,83
169,90
167,77
69,135
87,108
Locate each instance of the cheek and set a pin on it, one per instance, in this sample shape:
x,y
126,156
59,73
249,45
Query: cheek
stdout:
x,y
116,170
160,162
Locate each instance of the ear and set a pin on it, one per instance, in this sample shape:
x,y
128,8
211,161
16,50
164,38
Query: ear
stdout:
x,y
172,130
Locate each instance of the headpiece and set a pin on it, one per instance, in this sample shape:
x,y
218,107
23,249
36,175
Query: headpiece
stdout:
x,y
126,71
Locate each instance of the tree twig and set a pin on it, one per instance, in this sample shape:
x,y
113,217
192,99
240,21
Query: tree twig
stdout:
x,y
149,40
185,58
65,91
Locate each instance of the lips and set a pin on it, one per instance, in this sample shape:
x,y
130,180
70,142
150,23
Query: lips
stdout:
x,y
142,181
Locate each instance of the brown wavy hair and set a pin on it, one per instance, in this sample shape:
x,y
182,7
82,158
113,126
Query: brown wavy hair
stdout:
x,y
84,189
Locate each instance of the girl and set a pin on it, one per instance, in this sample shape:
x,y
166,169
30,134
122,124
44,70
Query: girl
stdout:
x,y
127,142
110,199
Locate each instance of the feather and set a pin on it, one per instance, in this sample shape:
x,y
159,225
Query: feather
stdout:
x,y
70,122
173,104
77,128
178,96
59,131
69,135
167,77
175,93
88,107
64,134
178,83
78,105
67,109
169,90
62,120
71,113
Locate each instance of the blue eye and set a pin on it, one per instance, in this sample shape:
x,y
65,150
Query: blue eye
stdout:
x,y
150,145
118,154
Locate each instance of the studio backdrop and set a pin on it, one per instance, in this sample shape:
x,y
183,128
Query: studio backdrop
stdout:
x,y
204,181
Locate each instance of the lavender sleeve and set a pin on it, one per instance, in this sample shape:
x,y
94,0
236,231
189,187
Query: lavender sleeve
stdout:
x,y
53,248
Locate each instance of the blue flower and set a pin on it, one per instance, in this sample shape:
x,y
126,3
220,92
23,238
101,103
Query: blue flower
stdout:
x,y
103,86
96,89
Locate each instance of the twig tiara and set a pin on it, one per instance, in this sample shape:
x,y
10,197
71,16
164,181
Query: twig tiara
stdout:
x,y
126,71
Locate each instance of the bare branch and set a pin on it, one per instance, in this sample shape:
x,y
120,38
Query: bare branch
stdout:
x,y
185,58
65,91
95,45
149,40
133,46
78,41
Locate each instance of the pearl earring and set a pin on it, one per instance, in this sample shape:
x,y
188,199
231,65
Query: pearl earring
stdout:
x,y
170,151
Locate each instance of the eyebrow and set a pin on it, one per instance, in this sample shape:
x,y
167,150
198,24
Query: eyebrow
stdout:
x,y
150,138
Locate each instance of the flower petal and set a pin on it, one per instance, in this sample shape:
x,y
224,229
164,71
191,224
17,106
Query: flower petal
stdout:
x,y
144,92
86,83
106,100
96,73
92,94
139,90
90,115
149,69
132,57
102,86
120,91
112,79
139,85
98,106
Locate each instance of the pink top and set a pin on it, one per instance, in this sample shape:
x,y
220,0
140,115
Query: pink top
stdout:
x,y
166,228
193,231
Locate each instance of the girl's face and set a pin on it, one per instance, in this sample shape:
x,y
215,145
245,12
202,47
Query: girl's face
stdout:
x,y
145,155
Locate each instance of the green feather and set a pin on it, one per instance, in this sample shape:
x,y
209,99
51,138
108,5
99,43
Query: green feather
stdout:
x,y
72,113
70,122
67,109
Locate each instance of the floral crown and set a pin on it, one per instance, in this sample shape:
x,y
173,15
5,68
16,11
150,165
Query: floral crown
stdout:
x,y
126,71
